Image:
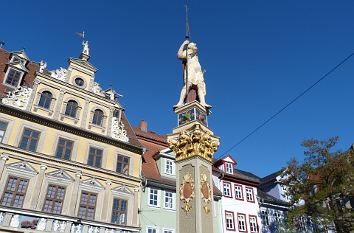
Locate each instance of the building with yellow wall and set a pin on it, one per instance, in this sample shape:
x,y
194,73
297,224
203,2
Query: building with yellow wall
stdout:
x,y
70,161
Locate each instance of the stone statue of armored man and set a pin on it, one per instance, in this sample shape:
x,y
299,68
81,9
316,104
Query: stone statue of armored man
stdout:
x,y
193,74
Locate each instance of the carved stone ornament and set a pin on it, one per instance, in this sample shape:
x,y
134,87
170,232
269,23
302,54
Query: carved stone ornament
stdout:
x,y
97,89
186,192
118,131
194,143
206,194
18,98
59,74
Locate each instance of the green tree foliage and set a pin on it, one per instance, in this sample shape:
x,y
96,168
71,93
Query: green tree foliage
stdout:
x,y
321,188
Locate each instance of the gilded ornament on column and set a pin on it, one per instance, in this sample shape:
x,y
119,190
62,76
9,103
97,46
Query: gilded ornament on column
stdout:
x,y
205,190
186,192
194,143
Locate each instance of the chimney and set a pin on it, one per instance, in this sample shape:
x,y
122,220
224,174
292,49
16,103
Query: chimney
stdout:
x,y
143,126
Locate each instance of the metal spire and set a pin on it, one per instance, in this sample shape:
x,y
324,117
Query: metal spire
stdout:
x,y
186,5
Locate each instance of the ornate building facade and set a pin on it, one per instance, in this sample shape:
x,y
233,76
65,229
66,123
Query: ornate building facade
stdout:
x,y
70,162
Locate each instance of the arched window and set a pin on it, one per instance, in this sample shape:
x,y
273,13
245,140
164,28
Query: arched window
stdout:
x,y
71,108
97,117
45,100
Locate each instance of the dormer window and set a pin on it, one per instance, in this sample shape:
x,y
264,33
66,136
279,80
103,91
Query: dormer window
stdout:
x,y
13,77
229,168
169,167
17,60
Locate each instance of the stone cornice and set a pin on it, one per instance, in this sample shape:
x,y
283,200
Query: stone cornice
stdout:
x,y
77,165
68,128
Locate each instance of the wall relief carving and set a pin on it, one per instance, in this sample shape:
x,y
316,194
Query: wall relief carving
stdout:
x,y
186,192
18,98
118,131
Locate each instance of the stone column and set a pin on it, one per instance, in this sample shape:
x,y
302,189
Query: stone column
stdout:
x,y
59,104
75,194
3,159
34,93
136,207
109,122
85,114
37,187
107,193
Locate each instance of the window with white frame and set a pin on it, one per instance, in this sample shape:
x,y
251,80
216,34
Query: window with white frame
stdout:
x,y
253,224
229,168
153,197
249,194
169,167
3,127
238,192
227,189
13,77
168,200
241,219
151,230
229,219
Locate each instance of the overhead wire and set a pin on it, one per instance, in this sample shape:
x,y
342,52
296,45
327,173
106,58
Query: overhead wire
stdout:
x,y
289,104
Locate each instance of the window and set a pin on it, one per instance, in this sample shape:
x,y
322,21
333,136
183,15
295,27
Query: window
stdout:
x,y
153,197
97,117
151,230
95,157
15,192
71,108
119,212
13,77
169,167
253,223
241,218
264,216
45,100
29,140
54,199
64,149
229,168
79,81
238,192
249,194
227,189
168,200
168,231
123,164
87,205
229,219
3,126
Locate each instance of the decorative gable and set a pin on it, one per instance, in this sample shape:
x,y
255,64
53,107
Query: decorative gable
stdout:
x,y
60,175
92,183
22,167
229,159
122,189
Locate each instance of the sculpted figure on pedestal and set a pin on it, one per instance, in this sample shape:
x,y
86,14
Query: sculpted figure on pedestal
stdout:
x,y
193,74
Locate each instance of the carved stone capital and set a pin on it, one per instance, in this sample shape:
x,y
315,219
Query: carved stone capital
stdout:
x,y
78,174
44,167
195,142
4,157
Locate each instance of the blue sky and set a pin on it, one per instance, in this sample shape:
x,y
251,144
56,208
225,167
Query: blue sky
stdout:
x,y
258,55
